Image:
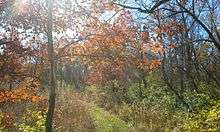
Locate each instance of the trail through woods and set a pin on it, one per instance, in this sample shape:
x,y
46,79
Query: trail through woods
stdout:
x,y
85,114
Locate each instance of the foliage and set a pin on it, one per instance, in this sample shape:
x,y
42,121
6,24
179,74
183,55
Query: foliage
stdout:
x,y
111,94
7,120
151,64
23,92
12,59
15,101
153,108
199,101
33,121
206,120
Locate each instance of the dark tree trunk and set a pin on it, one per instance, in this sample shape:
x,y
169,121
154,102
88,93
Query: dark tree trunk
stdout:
x,y
144,82
52,94
179,97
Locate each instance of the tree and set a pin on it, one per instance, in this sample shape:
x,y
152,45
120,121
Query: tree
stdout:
x,y
183,28
52,88
114,49
13,60
176,7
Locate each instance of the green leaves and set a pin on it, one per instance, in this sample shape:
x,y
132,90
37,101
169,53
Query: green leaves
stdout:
x,y
33,121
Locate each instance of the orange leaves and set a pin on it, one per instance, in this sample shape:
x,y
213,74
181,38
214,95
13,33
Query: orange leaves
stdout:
x,y
29,84
125,22
18,95
156,48
114,48
148,65
2,97
94,77
13,96
36,98
154,64
142,64
23,92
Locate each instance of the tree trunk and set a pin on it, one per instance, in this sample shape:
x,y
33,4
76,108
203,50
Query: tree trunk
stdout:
x,y
144,82
52,94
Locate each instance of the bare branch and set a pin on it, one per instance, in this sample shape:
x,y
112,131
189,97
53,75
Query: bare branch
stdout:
x,y
144,10
202,25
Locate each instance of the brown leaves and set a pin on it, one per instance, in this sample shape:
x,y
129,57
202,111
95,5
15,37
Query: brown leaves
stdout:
x,y
12,58
7,119
170,28
145,36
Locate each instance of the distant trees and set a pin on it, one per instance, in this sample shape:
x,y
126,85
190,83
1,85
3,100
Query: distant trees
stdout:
x,y
194,11
187,30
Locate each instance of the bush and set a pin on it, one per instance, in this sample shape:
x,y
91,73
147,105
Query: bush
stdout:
x,y
198,101
207,119
33,121
111,94
155,108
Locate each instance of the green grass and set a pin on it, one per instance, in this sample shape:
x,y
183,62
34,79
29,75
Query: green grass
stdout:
x,y
107,122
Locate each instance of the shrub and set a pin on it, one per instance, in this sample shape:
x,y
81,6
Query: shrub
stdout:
x,y
207,119
33,121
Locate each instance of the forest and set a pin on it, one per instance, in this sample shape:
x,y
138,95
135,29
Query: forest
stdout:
x,y
109,65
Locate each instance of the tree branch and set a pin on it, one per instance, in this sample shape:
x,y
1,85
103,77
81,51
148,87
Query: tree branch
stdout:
x,y
202,25
73,42
144,10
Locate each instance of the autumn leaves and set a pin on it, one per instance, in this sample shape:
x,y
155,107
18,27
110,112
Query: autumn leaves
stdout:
x,y
26,91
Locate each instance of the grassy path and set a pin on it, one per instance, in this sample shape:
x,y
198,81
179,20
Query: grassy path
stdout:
x,y
81,107
107,122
